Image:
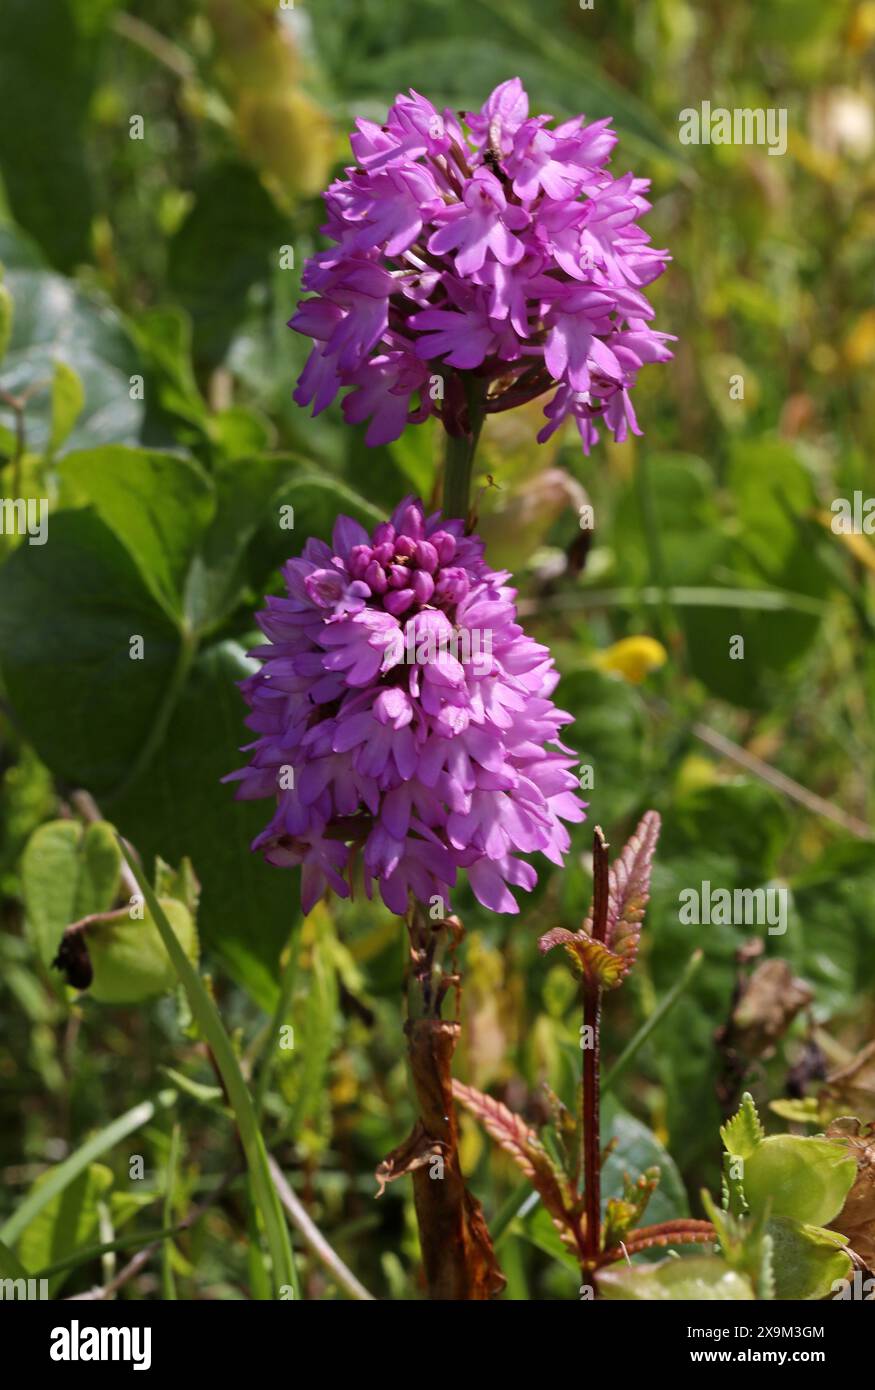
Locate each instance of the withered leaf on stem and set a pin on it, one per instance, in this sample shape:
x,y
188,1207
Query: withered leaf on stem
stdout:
x,y
856,1220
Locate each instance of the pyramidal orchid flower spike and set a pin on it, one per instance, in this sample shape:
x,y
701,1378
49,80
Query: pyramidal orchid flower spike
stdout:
x,y
486,245
400,710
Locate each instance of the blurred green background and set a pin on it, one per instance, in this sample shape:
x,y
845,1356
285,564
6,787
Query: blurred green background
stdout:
x,y
160,166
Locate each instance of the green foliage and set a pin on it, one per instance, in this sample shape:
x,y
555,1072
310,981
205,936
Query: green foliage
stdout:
x,y
66,1223
744,1133
807,1179
791,1188
146,377
67,872
702,1278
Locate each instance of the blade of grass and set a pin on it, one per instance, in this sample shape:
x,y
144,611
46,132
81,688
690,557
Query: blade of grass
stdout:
x,y
664,1007
315,1239
61,1176
10,1265
168,1283
519,1203
142,1240
287,985
210,1024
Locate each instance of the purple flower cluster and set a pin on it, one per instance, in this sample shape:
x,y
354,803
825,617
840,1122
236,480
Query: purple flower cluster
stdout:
x,y
376,737
487,244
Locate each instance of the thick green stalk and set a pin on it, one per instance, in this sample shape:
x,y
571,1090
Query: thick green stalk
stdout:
x,y
459,453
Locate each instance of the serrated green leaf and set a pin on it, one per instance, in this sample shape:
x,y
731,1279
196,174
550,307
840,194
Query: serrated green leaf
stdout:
x,y
743,1133
745,1245
798,1112
701,1278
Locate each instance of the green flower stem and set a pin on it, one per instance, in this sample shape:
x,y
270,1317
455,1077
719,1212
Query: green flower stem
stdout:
x,y
459,453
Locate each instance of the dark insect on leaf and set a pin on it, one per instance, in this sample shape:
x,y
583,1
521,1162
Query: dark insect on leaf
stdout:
x,y
73,959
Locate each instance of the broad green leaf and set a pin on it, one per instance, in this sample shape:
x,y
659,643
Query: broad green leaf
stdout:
x,y
67,872
50,879
10,1265
68,398
833,945
178,807
150,737
701,1278
247,502
55,321
164,338
70,620
66,1222
806,1179
636,1151
807,1260
459,72
743,1133
316,502
241,433
100,866
229,241
46,78
609,733
157,505
128,957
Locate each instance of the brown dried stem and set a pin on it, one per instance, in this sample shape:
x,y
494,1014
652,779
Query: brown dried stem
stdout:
x,y
457,1252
